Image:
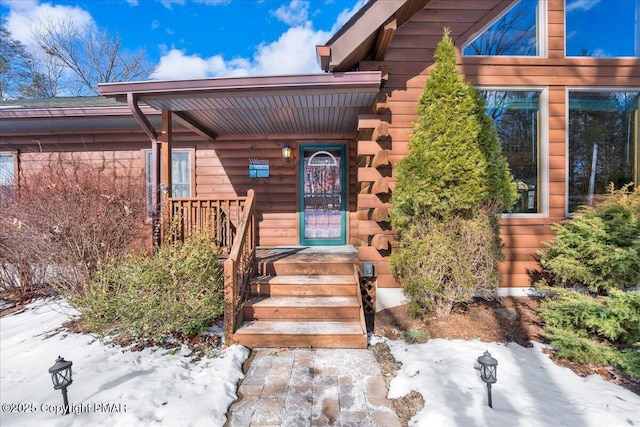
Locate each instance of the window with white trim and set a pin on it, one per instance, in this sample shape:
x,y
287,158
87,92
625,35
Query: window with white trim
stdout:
x,y
518,31
602,28
7,177
181,172
516,115
603,144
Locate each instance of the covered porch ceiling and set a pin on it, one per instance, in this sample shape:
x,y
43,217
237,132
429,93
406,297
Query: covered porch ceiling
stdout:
x,y
267,105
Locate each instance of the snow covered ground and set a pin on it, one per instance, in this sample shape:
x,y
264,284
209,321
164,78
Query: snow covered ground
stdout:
x,y
531,389
111,387
116,387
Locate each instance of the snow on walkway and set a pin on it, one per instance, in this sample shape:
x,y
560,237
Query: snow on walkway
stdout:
x,y
117,387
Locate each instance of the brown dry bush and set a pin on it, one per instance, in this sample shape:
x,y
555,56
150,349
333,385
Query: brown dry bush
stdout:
x,y
65,221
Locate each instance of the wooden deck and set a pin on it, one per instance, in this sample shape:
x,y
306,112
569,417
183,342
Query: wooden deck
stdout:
x,y
304,297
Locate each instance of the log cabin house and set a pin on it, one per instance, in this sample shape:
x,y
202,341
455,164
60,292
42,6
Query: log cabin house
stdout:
x,y
296,171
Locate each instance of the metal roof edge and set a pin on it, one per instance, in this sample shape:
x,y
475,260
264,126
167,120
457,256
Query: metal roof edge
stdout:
x,y
365,79
34,113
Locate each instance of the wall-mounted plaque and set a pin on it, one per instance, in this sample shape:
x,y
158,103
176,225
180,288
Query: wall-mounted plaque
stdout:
x,y
258,168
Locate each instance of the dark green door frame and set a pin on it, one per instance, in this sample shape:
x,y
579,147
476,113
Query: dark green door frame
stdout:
x,y
310,241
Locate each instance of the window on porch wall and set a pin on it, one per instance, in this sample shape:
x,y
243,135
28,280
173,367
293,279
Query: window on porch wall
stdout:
x,y
180,175
516,115
7,178
518,31
603,144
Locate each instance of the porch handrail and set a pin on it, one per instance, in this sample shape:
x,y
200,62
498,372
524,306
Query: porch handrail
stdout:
x,y
193,215
238,268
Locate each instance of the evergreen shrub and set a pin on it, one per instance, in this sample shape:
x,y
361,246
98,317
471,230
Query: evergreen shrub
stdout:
x,y
599,248
447,261
602,330
179,289
451,188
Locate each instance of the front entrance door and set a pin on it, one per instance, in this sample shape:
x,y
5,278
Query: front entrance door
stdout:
x,y
323,195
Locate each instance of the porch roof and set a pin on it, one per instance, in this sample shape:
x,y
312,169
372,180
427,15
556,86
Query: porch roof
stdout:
x,y
265,105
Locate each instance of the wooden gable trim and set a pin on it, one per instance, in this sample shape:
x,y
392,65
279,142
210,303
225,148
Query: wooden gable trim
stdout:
x,y
385,36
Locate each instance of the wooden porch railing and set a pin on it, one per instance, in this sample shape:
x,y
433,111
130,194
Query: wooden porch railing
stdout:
x,y
239,267
189,216
232,223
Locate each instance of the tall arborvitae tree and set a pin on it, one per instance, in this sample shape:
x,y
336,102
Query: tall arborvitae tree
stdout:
x,y
451,187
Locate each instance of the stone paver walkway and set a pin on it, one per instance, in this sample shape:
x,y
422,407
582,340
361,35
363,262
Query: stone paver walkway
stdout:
x,y
312,387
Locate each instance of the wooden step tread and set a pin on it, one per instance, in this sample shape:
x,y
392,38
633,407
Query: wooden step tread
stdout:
x,y
305,280
304,301
300,328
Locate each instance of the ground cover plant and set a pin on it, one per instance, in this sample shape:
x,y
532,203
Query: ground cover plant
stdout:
x,y
599,248
450,190
601,330
592,269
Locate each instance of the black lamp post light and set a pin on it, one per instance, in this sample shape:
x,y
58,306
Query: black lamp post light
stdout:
x,y
488,372
61,377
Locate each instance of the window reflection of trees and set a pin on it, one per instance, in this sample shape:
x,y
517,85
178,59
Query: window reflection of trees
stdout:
x,y
603,143
515,33
515,115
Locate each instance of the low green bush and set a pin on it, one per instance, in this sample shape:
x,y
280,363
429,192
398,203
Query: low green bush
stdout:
x,y
179,289
599,248
602,330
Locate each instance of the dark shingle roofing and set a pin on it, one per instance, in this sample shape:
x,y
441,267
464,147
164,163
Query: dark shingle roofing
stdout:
x,y
61,102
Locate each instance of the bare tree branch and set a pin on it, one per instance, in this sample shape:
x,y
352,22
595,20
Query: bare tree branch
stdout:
x,y
89,56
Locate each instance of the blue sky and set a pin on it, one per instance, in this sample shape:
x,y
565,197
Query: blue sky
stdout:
x,y
201,38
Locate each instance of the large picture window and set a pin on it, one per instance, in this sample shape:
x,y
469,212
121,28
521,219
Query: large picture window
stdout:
x,y
602,28
517,32
603,143
180,175
516,115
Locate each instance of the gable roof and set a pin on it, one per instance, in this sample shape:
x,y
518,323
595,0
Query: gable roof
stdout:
x,y
369,33
359,38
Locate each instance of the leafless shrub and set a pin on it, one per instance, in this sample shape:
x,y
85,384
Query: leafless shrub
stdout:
x,y
65,221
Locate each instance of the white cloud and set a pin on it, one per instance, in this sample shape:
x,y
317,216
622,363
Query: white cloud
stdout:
x,y
295,13
213,2
132,2
344,16
292,53
155,24
582,5
25,14
169,3
175,64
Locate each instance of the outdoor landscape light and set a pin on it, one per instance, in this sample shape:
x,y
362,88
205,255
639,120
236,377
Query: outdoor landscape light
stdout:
x,y
61,377
488,371
286,153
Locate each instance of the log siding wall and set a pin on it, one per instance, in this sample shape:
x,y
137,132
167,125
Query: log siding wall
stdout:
x,y
220,169
408,62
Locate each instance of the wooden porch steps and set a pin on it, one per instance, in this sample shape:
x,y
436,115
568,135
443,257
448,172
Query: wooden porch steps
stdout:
x,y
306,298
